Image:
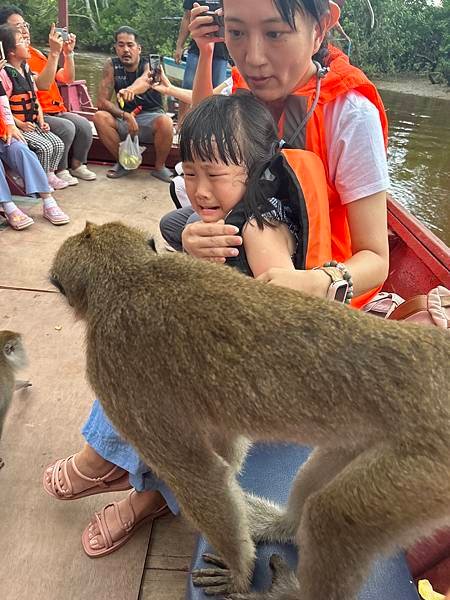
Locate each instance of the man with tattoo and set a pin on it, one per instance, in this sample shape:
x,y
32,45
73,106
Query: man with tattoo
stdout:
x,y
141,115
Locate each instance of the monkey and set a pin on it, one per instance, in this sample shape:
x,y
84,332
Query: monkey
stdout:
x,y
12,358
189,359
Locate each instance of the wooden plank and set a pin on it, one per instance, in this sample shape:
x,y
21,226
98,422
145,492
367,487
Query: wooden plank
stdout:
x,y
171,544
137,199
163,585
41,553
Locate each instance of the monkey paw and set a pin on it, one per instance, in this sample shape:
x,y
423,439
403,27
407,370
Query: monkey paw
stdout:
x,y
214,581
284,586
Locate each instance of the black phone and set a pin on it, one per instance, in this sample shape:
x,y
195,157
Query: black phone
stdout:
x,y
214,5
154,61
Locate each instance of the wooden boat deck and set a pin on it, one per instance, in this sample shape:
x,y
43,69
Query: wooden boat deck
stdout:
x,y
40,549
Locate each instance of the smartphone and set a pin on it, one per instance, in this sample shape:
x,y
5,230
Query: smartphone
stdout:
x,y
154,61
214,5
2,53
63,32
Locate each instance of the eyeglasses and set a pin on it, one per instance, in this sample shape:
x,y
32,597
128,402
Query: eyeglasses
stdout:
x,y
23,26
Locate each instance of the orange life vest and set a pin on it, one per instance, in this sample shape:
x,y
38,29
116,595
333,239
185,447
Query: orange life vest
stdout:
x,y
3,129
50,100
22,99
341,78
299,175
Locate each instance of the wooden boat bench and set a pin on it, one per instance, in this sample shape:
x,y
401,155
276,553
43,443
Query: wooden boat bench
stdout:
x,y
268,472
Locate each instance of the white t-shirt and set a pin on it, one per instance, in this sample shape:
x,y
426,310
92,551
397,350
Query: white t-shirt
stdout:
x,y
354,137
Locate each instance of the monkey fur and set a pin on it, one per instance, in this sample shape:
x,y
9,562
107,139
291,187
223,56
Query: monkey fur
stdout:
x,y
12,358
189,359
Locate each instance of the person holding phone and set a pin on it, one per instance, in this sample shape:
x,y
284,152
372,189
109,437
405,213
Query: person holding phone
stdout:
x,y
141,114
220,58
321,103
75,131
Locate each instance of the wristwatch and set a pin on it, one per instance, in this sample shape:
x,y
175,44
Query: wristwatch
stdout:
x,y
338,287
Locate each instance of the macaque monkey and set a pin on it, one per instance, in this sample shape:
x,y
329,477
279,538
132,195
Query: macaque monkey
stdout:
x,y
12,358
188,358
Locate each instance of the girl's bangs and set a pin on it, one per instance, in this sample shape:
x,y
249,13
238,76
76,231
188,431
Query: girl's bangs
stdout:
x,y
209,138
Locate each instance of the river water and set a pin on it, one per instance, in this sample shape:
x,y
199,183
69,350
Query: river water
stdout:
x,y
419,148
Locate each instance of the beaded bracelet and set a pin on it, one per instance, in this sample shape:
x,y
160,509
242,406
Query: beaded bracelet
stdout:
x,y
346,275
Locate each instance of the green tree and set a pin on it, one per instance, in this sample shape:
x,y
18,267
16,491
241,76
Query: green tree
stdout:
x,y
442,21
403,34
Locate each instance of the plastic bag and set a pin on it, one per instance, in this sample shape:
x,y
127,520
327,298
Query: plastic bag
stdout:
x,y
130,153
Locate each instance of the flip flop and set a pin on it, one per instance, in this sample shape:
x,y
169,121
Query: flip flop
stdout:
x,y
163,174
65,491
128,527
117,171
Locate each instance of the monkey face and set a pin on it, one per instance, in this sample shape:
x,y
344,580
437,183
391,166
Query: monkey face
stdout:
x,y
12,348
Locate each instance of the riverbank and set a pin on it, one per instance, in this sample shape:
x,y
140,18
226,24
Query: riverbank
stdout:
x,y
416,85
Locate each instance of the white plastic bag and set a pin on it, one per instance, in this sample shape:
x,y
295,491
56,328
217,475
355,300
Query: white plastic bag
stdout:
x,y
130,153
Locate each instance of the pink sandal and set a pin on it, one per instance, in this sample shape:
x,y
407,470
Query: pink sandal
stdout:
x,y
65,491
55,215
18,220
128,527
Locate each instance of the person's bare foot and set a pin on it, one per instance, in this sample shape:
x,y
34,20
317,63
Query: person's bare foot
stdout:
x,y
87,462
142,504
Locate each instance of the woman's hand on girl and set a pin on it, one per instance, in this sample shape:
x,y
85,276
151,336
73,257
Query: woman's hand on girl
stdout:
x,y
13,133
26,126
201,27
315,283
3,62
211,241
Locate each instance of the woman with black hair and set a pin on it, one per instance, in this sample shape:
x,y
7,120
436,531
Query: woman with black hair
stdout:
x,y
321,103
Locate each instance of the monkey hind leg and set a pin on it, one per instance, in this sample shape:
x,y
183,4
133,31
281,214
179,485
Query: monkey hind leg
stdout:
x,y
272,523
374,506
209,495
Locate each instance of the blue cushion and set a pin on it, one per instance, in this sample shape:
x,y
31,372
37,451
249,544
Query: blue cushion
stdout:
x,y
268,472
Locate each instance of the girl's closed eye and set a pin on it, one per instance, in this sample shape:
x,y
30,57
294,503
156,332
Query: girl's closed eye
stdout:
x,y
215,174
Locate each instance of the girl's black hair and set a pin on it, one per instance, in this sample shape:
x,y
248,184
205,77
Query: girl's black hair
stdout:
x,y
316,8
8,38
237,130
